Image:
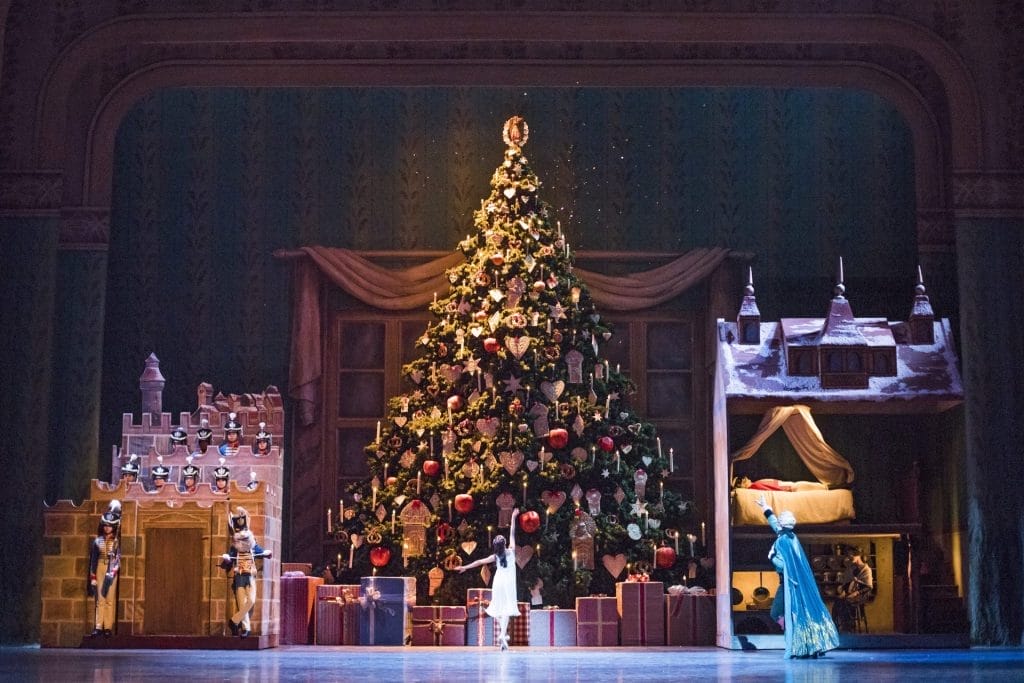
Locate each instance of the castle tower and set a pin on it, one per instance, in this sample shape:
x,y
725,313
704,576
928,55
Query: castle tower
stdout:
x,y
151,384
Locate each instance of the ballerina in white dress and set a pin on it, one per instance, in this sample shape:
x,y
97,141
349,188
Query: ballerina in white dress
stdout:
x,y
504,595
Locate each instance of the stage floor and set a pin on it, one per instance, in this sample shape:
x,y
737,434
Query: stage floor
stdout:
x,y
561,665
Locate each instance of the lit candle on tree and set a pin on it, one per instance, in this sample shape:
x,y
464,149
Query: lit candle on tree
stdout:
x,y
671,460
392,520
703,535
328,520
378,431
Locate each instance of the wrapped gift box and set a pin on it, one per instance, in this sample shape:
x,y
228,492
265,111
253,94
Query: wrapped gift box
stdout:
x,y
298,599
438,625
690,619
479,626
337,614
385,609
641,606
518,627
597,622
551,627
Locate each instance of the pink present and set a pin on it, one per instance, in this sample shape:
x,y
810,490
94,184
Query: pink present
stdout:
x,y
438,625
298,597
552,627
337,615
690,619
641,606
597,622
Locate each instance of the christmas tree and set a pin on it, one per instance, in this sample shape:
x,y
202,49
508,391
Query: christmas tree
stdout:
x,y
510,404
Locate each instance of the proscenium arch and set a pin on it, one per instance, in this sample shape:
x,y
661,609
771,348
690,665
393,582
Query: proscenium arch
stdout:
x,y
928,154
88,163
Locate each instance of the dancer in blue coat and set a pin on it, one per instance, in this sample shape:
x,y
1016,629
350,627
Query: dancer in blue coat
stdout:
x,y
798,607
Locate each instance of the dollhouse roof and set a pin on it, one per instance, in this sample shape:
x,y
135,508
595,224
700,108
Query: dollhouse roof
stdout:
x,y
926,374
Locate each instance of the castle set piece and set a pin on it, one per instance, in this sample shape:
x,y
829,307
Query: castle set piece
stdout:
x,y
175,526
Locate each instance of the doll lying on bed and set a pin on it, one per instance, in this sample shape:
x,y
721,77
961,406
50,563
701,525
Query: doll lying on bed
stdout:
x,y
777,485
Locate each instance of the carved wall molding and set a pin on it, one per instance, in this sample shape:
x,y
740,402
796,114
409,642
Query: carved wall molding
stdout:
x,y
988,194
84,227
31,193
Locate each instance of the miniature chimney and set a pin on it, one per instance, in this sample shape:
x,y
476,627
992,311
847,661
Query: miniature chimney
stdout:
x,y
151,384
748,321
922,317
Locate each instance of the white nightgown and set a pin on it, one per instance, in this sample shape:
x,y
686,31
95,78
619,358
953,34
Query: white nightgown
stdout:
x,y
504,598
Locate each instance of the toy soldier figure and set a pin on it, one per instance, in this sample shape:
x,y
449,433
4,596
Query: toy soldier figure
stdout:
x,y
104,563
263,440
232,435
130,470
160,473
204,435
240,563
179,437
221,475
189,477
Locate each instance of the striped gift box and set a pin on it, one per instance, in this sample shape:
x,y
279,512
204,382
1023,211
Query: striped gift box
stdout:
x,y
518,627
690,619
641,607
337,615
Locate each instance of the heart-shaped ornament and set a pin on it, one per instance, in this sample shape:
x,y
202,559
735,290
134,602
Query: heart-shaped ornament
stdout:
x,y
451,372
420,432
488,426
532,465
476,446
511,461
518,345
614,564
552,390
400,421
416,376
553,499
647,460
509,192
468,547
579,454
524,553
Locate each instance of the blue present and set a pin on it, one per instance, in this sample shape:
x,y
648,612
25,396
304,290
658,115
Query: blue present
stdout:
x,y
385,609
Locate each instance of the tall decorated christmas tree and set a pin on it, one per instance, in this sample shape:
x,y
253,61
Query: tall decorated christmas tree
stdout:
x,y
511,404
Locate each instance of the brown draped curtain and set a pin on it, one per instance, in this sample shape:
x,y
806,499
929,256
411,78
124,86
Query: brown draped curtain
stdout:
x,y
824,463
411,288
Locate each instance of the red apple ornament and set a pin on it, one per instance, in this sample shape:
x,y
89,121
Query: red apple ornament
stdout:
x,y
529,521
665,557
491,345
464,503
431,468
606,444
380,556
558,438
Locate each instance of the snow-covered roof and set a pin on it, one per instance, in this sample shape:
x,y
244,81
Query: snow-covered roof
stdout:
x,y
758,371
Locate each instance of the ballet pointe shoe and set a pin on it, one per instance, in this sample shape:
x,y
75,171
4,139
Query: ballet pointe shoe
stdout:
x,y
503,641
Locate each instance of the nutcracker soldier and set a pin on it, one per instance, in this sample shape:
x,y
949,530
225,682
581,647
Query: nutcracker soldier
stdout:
x,y
189,477
221,475
179,437
240,563
232,435
104,564
263,440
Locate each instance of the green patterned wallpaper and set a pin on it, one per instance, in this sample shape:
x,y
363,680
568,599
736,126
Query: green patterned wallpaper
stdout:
x,y
209,182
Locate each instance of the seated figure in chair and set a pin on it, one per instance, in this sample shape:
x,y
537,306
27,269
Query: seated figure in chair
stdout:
x,y
852,595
